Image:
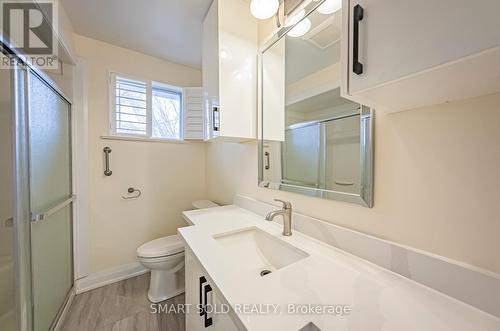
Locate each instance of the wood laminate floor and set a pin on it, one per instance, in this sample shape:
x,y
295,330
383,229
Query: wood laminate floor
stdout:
x,y
122,306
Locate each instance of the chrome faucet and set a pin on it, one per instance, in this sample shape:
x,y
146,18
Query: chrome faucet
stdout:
x,y
286,212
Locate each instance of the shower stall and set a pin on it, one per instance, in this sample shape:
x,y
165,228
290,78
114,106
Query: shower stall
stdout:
x,y
36,199
323,154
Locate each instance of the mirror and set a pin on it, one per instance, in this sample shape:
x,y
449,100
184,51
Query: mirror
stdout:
x,y
311,140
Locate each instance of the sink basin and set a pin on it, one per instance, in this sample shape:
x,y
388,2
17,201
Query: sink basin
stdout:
x,y
259,251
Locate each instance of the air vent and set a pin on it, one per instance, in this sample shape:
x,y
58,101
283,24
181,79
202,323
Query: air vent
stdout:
x,y
326,37
326,33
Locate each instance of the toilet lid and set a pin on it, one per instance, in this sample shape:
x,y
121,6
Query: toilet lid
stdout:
x,y
161,247
202,204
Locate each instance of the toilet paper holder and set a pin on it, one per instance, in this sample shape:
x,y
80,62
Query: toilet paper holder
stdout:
x,y
132,190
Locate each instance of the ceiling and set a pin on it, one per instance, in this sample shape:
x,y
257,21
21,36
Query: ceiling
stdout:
x,y
167,29
304,57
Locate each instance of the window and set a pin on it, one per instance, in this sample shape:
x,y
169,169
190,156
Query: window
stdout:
x,y
146,109
166,113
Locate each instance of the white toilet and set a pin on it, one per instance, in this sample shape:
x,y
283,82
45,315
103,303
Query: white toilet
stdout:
x,y
165,258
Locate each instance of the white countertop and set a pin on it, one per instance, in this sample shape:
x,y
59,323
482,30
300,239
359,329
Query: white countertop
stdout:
x,y
378,298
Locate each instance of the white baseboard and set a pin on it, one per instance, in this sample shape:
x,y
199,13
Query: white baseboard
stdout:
x,y
109,276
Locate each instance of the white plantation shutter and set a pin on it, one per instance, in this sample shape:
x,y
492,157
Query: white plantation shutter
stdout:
x,y
193,113
154,110
130,107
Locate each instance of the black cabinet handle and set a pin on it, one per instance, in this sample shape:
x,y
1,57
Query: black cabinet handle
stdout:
x,y
268,164
208,320
357,67
203,280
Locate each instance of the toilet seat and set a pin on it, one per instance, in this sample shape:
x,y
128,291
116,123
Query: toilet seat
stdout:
x,y
161,247
160,259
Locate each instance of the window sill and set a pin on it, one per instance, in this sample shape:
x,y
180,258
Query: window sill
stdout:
x,y
149,140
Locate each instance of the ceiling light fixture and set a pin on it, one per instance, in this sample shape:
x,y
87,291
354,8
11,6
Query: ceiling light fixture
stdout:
x,y
330,6
300,28
264,9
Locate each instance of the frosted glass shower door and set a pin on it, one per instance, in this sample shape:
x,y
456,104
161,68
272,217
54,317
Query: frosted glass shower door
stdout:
x,y
301,151
51,196
343,152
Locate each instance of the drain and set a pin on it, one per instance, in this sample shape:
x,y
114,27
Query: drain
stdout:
x,y
265,272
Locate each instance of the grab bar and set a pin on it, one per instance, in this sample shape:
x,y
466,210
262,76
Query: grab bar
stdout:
x,y
106,151
52,211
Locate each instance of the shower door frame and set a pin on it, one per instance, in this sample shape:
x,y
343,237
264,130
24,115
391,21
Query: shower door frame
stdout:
x,y
24,309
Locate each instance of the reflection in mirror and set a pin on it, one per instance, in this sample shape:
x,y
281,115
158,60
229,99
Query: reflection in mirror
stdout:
x,y
312,141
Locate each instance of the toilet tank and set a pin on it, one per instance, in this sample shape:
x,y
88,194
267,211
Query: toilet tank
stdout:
x,y
202,204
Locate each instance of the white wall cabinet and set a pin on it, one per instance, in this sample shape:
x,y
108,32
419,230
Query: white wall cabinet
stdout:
x,y
199,292
229,68
419,53
272,81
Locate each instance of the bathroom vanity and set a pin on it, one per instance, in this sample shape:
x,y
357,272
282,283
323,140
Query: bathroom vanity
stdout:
x,y
237,260
200,290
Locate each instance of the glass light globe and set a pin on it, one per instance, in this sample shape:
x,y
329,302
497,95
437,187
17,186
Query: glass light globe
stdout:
x,y
330,6
291,20
300,29
264,9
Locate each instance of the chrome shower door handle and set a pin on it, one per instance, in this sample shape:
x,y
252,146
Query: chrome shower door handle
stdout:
x,y
36,217
107,151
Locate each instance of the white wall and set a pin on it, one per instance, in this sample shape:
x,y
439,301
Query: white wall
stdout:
x,y
169,175
437,181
